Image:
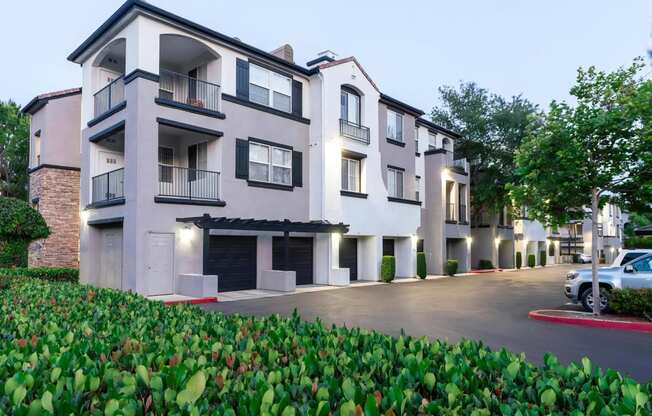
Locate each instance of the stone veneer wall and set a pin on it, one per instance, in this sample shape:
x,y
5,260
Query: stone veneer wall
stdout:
x,y
58,192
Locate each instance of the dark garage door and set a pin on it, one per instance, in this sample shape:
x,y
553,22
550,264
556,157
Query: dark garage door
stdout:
x,y
233,260
349,256
300,257
388,246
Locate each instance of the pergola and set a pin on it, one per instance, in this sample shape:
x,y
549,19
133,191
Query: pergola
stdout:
x,y
207,223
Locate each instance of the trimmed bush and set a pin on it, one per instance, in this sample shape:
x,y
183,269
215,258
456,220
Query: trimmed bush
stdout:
x,y
638,242
388,269
542,258
519,260
635,302
52,274
531,260
19,225
421,265
485,264
72,349
451,267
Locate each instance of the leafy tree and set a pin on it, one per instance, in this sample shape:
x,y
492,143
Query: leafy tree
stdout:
x,y
14,150
585,154
492,128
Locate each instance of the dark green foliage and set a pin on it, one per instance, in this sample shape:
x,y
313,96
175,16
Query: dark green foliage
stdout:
x,y
638,242
421,265
52,274
19,224
14,150
635,302
451,267
519,260
543,258
13,253
388,269
485,264
71,349
531,260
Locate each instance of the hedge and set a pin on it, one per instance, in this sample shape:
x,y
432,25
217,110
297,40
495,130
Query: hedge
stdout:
x,y
636,302
519,260
531,260
53,274
387,269
451,267
19,225
72,349
421,265
638,242
485,264
543,259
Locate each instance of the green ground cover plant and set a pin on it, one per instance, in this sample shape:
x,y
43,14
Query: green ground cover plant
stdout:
x,y
53,274
72,349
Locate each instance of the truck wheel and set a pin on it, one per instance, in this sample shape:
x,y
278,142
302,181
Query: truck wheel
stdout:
x,y
587,299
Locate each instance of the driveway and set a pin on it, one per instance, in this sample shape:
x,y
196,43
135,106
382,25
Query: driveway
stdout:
x,y
491,307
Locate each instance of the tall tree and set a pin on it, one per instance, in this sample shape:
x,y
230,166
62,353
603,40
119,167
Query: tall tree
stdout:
x,y
492,128
585,154
14,151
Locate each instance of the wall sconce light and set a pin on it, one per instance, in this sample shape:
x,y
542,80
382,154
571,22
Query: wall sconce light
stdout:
x,y
186,233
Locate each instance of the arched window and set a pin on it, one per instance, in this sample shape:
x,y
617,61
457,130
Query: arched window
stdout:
x,y
350,105
445,143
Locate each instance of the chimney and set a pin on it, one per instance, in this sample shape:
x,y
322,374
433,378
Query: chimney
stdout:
x,y
322,57
284,52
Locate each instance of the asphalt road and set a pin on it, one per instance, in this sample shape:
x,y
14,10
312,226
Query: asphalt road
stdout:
x,y
491,307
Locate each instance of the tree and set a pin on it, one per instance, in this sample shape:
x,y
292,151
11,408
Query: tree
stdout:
x,y
14,151
19,225
585,154
492,128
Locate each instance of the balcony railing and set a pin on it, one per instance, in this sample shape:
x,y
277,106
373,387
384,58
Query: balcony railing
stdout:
x,y
462,213
459,165
187,183
109,97
354,131
108,186
450,212
190,91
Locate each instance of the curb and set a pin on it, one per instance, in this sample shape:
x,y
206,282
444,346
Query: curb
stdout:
x,y
196,301
480,271
540,315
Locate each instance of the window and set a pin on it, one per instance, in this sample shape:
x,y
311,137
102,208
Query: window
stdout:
x,y
644,265
417,187
197,160
37,151
395,182
629,257
165,161
432,141
350,175
269,88
394,126
350,106
445,143
416,140
270,164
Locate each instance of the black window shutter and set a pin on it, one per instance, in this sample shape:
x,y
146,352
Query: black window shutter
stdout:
x,y
297,98
242,79
297,169
241,159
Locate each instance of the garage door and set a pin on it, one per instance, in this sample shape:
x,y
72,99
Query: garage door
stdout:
x,y
300,257
388,246
349,256
233,260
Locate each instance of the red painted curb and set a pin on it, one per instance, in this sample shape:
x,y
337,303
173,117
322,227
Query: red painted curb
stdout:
x,y
196,301
592,322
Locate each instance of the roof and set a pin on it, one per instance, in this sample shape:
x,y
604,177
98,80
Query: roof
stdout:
x,y
224,223
386,99
350,59
646,230
40,100
432,125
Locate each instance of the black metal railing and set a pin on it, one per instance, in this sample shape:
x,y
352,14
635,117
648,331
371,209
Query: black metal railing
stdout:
x,y
450,212
354,131
109,97
187,183
108,186
462,213
190,91
459,165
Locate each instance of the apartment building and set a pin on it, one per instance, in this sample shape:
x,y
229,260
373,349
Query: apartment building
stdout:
x,y
203,156
493,238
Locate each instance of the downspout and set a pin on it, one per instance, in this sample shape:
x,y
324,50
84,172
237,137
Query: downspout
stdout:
x,y
323,146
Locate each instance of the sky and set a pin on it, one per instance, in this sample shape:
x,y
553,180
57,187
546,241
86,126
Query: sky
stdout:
x,y
409,48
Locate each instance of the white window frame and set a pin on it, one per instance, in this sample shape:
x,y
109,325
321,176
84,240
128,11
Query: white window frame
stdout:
x,y
432,141
392,182
417,187
357,108
392,133
267,84
270,163
352,166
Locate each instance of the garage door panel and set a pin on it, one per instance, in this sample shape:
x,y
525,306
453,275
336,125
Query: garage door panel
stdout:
x,y
301,257
233,260
349,256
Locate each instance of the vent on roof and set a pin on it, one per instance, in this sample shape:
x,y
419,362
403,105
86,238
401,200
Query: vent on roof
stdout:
x,y
284,52
322,57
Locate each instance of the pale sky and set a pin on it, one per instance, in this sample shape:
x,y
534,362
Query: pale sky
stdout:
x,y
408,47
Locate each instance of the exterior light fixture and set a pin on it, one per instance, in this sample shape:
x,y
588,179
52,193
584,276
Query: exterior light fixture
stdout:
x,y
186,233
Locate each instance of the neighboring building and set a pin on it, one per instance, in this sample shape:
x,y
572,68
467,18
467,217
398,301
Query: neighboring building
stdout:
x,y
54,175
493,238
532,237
202,155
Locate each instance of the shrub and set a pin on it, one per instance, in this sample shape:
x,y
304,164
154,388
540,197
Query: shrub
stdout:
x,y
543,258
531,260
451,267
485,264
421,265
19,224
72,349
519,260
638,242
53,274
636,302
388,269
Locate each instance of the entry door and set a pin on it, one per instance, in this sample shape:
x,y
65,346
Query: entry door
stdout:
x,y
110,275
160,267
349,256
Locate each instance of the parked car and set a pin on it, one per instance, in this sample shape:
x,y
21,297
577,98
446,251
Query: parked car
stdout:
x,y
636,273
584,258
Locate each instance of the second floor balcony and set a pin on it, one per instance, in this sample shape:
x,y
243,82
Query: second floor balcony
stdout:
x,y
189,91
181,183
354,131
458,165
107,187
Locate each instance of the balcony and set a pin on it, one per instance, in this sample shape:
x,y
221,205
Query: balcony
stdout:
x,y
450,212
354,131
462,214
187,91
108,188
458,165
185,185
109,97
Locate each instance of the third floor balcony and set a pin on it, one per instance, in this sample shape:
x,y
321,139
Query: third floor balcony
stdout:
x,y
188,91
